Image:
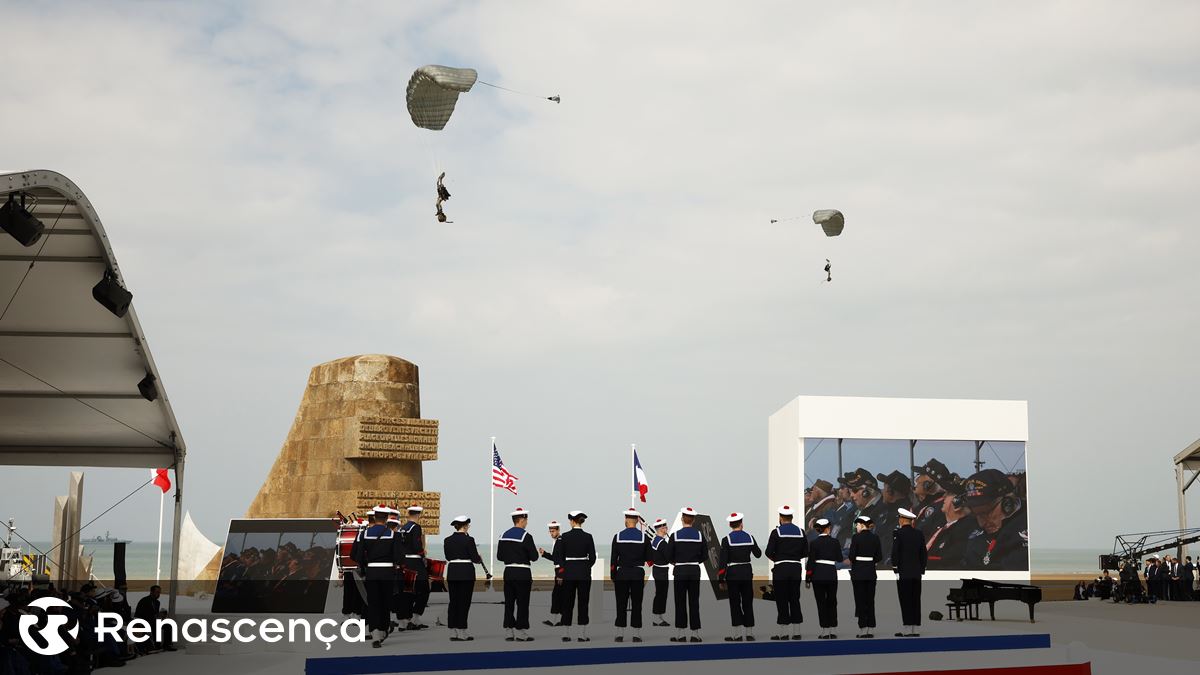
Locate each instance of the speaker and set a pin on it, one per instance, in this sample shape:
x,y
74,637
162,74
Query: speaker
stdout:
x,y
112,295
20,223
147,387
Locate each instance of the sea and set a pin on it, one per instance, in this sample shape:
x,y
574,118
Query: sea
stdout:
x,y
140,560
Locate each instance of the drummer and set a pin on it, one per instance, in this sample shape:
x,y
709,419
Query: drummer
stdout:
x,y
461,558
412,540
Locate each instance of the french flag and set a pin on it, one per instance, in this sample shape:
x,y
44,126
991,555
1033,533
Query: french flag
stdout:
x,y
640,487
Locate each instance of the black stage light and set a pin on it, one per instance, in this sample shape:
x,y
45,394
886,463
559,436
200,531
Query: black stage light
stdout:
x,y
110,293
20,223
147,388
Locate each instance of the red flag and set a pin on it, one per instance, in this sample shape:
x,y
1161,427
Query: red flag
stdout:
x,y
162,480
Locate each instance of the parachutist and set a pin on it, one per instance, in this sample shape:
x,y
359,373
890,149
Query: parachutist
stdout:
x,y
556,99
773,221
828,270
443,193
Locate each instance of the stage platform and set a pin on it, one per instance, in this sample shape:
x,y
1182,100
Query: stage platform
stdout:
x,y
578,655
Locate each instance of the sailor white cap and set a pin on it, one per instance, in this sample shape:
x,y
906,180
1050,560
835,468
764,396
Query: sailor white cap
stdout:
x,y
393,517
631,513
734,517
460,520
553,524
905,513
786,510
687,511
519,511
660,522
415,508
382,508
575,515
822,522
864,519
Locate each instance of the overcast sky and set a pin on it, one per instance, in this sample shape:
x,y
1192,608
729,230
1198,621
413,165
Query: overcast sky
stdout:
x,y
1020,184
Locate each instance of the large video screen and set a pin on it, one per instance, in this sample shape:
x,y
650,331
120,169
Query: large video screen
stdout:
x,y
970,497
278,566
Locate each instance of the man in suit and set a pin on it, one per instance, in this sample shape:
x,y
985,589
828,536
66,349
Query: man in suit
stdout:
x,y
1187,577
909,559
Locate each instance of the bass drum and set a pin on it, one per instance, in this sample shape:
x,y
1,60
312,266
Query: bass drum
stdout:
x,y
346,536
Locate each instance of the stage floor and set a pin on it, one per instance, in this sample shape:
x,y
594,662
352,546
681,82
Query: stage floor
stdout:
x,y
1116,638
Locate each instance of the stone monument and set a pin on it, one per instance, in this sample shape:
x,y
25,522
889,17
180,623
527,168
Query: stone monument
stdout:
x,y
358,440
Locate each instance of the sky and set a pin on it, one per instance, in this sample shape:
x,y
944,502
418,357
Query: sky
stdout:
x,y
1019,184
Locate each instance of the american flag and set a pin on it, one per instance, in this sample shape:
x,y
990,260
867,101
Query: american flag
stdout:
x,y
501,478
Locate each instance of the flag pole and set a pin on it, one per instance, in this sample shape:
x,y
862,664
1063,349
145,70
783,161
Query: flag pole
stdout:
x,y
158,556
633,468
492,519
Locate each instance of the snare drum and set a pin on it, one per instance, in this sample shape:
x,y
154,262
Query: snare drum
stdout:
x,y
346,536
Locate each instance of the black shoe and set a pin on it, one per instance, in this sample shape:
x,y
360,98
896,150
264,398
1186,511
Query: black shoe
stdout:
x,y
583,639
796,637
776,637
510,638
899,634
731,639
913,635
377,644
663,624
824,637
832,636
695,639
548,622
676,639
636,639
566,638
528,639
749,638
468,638
619,638
455,639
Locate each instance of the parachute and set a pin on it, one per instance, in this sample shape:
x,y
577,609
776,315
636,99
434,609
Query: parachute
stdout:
x,y
830,220
433,91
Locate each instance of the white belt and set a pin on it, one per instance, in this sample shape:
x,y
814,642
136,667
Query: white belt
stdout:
x,y
686,563
525,565
737,563
461,561
583,558
663,566
864,558
388,564
825,562
780,562
410,555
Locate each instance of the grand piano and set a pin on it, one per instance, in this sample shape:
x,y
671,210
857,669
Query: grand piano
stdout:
x,y
976,591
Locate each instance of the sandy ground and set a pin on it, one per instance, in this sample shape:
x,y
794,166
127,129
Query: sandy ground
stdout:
x,y
1115,638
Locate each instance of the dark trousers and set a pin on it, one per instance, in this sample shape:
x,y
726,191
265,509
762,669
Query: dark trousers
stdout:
x,y
909,591
741,602
864,602
687,603
575,591
629,592
460,602
379,599
420,594
556,597
662,584
516,599
786,583
825,593
352,600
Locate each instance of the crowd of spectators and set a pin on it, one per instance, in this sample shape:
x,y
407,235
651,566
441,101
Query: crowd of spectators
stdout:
x,y
84,652
1166,579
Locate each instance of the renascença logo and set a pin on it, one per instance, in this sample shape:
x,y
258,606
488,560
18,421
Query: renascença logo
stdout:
x,y
43,632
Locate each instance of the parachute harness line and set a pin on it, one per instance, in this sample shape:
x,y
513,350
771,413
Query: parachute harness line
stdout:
x,y
556,98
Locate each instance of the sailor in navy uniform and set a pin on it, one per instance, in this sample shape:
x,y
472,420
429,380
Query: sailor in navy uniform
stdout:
x,y
824,554
865,553
687,551
576,555
401,600
555,591
734,570
630,554
461,558
517,551
786,548
661,572
909,558
378,554
413,541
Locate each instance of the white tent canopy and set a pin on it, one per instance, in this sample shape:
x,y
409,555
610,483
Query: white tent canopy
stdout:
x,y
1187,470
69,368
